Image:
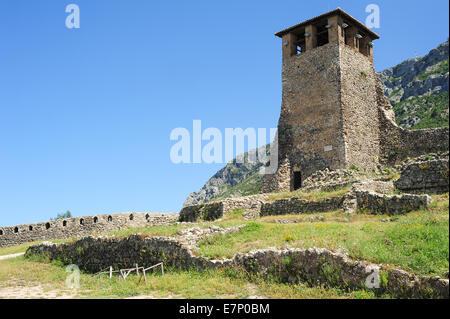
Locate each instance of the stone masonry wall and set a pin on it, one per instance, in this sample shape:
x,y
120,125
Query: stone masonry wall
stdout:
x,y
424,176
390,204
310,133
313,266
215,210
300,206
397,143
80,226
359,109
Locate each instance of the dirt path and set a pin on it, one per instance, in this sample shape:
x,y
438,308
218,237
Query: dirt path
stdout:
x,y
33,292
11,256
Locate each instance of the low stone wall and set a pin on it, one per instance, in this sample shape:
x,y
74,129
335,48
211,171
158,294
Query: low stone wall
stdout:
x,y
215,210
390,204
81,226
367,195
397,143
206,212
300,206
313,266
431,176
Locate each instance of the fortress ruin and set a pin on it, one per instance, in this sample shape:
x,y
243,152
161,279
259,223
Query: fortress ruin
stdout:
x,y
334,113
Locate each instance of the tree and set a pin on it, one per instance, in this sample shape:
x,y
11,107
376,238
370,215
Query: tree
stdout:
x,y
67,214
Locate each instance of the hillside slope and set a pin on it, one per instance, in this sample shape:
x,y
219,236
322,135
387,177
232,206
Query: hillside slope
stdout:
x,y
418,91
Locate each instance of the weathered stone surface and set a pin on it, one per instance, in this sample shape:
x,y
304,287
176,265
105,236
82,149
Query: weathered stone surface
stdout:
x,y
334,114
300,206
390,204
424,175
81,226
215,210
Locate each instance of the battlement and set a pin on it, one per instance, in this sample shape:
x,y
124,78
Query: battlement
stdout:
x,y
81,226
335,26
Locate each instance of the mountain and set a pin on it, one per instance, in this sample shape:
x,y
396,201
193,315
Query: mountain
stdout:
x,y
417,89
238,178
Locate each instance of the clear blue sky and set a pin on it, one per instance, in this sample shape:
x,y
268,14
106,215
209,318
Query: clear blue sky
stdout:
x,y
85,115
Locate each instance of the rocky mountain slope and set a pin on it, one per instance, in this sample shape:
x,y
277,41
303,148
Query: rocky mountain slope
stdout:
x,y
238,178
417,89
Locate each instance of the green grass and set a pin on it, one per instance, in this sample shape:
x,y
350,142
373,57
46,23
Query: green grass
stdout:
x,y
174,284
23,247
416,242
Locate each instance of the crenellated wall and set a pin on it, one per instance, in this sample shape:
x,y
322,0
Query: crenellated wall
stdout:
x,y
81,226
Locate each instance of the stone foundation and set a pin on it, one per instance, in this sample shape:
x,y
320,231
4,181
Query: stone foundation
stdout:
x,y
300,206
425,176
376,203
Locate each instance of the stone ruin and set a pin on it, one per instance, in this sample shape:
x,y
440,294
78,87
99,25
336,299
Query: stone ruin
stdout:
x,y
334,113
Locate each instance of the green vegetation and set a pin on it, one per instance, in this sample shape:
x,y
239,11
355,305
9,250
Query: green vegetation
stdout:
x,y
439,69
67,214
250,186
417,242
432,110
174,284
23,247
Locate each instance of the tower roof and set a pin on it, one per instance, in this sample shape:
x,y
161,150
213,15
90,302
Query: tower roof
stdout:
x,y
339,12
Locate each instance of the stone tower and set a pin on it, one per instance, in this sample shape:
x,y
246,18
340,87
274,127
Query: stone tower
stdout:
x,y
329,115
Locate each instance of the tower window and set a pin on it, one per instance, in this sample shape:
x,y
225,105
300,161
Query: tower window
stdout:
x,y
82,221
65,223
95,220
322,35
47,226
16,230
297,180
30,228
109,218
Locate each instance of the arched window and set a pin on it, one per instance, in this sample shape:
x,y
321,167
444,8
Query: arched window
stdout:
x,y
1,232
131,217
109,218
47,226
147,217
16,230
95,220
82,221
65,223
30,228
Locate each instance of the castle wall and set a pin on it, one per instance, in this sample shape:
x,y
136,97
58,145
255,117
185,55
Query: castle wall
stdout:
x,y
359,109
80,226
310,126
397,143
